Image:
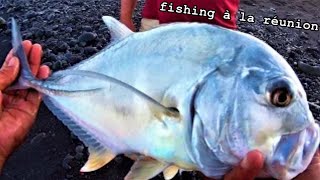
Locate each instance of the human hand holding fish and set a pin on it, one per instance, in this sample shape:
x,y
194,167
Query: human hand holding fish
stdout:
x,y
252,165
18,109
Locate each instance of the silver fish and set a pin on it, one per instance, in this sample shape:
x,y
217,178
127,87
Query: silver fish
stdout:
x,y
186,96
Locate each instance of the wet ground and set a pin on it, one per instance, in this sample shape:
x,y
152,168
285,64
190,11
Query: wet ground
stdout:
x,y
71,31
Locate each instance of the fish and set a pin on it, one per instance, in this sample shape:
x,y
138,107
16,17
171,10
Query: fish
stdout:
x,y
181,97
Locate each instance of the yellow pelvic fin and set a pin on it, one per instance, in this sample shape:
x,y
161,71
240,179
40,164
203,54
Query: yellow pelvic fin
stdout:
x,y
145,168
170,172
97,160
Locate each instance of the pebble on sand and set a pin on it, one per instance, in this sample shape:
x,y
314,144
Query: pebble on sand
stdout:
x,y
87,37
312,70
3,23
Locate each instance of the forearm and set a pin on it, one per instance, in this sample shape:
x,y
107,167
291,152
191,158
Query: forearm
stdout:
x,y
127,9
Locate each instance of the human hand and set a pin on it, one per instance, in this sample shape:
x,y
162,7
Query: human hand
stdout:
x,y
252,164
18,108
249,167
312,172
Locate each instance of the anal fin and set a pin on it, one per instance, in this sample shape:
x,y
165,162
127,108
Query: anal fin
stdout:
x,y
145,168
97,159
99,154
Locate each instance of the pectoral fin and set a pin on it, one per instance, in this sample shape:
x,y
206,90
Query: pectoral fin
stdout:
x,y
97,160
170,172
145,168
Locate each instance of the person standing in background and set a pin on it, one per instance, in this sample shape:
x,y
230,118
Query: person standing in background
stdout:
x,y
157,12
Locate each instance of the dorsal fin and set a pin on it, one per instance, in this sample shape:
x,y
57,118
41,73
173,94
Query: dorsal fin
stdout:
x,y
118,30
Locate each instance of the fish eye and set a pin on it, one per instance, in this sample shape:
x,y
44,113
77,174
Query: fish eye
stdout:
x,y
281,97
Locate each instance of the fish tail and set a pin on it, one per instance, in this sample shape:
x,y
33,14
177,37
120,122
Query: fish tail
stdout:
x,y
26,79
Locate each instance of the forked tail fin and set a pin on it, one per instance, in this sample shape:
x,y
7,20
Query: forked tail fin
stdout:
x,y
25,72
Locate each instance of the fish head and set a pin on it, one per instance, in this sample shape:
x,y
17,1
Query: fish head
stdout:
x,y
282,125
254,102
280,122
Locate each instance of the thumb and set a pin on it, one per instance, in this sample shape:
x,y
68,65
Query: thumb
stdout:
x,y
249,167
8,72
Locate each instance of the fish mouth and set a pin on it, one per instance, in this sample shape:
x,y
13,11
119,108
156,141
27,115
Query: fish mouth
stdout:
x,y
293,153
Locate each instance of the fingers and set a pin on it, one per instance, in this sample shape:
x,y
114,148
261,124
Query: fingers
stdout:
x,y
9,56
249,167
34,54
27,46
8,72
10,69
35,58
44,72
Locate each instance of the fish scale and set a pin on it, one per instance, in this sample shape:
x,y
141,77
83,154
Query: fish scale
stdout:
x,y
187,96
